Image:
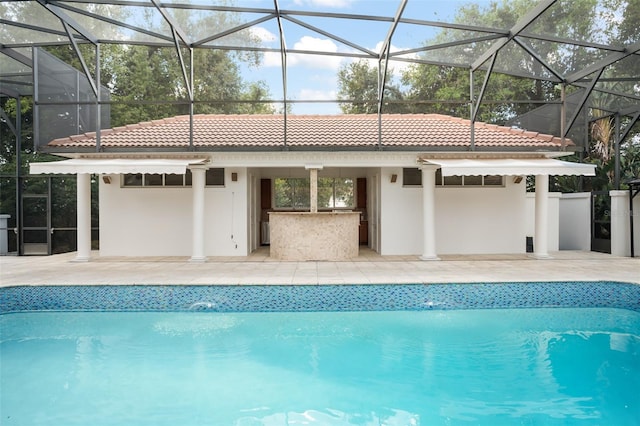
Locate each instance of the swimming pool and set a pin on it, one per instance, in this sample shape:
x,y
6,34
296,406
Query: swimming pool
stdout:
x,y
279,355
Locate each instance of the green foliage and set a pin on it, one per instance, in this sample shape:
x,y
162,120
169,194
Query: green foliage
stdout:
x,y
428,83
358,82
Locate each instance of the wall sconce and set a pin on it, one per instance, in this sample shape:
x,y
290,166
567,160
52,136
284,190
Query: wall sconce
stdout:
x,y
517,179
394,178
106,179
234,177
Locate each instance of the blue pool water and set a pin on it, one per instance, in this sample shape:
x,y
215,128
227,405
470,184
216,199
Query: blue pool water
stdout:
x,y
529,366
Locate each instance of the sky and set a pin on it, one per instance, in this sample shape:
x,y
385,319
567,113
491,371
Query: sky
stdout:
x,y
314,77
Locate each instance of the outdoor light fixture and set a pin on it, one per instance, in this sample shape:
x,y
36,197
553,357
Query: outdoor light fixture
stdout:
x,y
394,178
234,177
106,179
517,179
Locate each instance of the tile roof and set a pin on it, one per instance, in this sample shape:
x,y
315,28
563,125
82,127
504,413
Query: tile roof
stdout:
x,y
312,131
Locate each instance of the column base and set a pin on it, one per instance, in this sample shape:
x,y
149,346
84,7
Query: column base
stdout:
x,y
81,259
198,260
423,257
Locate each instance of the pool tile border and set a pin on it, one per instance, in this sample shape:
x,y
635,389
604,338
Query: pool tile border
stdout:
x,y
360,297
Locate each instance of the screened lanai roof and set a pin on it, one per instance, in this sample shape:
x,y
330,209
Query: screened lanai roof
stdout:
x,y
588,50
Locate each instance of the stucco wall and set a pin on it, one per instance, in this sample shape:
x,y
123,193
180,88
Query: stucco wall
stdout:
x,y
158,221
468,220
575,221
621,226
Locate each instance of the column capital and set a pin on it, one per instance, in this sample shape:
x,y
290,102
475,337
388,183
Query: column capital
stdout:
x,y
193,167
313,166
619,193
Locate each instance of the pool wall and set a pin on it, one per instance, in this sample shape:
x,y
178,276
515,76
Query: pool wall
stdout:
x,y
367,297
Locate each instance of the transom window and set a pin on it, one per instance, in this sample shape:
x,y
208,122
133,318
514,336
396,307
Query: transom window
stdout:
x,y
485,180
213,177
413,177
333,193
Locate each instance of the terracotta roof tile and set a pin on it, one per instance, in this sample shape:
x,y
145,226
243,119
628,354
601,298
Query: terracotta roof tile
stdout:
x,y
339,131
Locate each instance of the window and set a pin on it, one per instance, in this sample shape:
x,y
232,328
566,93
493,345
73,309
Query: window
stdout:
x,y
132,179
213,177
291,193
486,180
173,180
493,180
411,177
333,193
153,180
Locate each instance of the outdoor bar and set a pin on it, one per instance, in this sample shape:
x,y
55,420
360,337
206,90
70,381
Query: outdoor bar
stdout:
x,y
314,235
300,236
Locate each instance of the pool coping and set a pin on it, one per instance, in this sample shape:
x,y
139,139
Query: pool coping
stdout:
x,y
366,269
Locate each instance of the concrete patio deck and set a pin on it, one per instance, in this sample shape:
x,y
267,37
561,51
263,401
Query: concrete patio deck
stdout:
x,y
367,268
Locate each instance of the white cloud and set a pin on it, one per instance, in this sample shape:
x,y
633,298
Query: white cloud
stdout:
x,y
312,44
317,95
324,3
271,59
263,34
315,61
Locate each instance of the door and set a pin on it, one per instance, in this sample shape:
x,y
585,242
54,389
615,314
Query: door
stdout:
x,y
374,215
601,222
35,206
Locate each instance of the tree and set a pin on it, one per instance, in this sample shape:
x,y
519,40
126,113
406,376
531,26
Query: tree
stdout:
x,y
358,83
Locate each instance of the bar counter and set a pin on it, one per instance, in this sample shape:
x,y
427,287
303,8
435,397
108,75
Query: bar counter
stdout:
x,y
299,236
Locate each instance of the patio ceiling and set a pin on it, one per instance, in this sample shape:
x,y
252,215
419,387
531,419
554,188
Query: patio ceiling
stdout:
x,y
371,30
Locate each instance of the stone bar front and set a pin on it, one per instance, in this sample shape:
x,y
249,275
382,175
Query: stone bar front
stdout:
x,y
303,236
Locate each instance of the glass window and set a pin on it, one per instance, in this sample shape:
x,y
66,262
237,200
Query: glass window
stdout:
x,y
453,180
473,181
493,180
411,177
132,179
173,180
301,196
343,192
214,177
326,195
152,180
335,193
291,193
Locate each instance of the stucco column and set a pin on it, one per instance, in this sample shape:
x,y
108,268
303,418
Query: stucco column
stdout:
x,y
541,232
313,190
83,230
620,241
313,186
429,213
197,186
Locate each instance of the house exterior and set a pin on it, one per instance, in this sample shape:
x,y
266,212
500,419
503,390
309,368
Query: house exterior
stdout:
x,y
206,185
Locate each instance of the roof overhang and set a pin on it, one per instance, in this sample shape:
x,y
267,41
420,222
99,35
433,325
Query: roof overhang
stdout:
x,y
116,166
511,167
